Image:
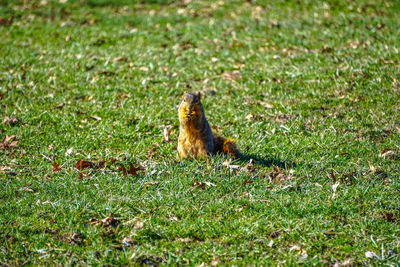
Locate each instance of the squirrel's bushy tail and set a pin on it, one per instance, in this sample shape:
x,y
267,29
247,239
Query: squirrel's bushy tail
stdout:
x,y
226,146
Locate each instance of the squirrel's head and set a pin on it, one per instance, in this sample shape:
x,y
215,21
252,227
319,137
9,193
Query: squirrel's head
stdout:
x,y
190,107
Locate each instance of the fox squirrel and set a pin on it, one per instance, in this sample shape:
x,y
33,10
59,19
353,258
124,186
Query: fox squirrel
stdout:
x,y
195,136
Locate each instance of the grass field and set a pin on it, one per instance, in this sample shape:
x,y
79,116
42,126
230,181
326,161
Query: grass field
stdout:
x,y
310,90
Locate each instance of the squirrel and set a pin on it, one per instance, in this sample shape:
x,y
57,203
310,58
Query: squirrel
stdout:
x,y
195,136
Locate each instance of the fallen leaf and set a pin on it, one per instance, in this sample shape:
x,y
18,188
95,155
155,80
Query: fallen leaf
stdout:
x,y
6,22
26,188
76,238
83,164
370,255
250,117
274,234
247,182
249,167
69,151
389,216
301,252
202,185
264,104
11,121
59,105
330,232
388,153
215,261
242,208
137,223
278,175
97,118
227,163
83,175
335,186
106,222
167,132
56,167
9,142
132,170
127,241
150,184
372,169
173,218
231,76
4,168
348,262
117,59
326,49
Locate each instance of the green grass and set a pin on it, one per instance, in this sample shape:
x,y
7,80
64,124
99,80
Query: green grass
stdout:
x,y
321,81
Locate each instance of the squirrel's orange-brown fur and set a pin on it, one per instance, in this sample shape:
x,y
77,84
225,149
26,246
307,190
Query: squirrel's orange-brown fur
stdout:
x,y
195,136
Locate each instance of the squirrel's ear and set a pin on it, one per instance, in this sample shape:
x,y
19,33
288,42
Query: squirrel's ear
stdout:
x,y
199,95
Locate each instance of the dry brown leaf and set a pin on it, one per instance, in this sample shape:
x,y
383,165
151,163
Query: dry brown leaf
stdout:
x,y
264,104
330,232
59,105
132,170
327,49
11,121
279,175
388,153
300,251
117,59
137,223
227,163
56,167
249,168
231,76
27,189
83,164
76,238
202,185
6,21
106,222
148,184
9,142
372,168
